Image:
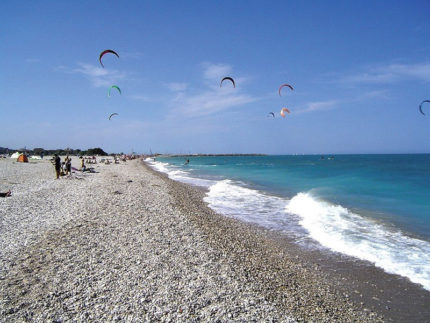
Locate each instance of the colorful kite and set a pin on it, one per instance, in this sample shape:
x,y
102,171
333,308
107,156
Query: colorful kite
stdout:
x,y
114,87
284,85
283,110
105,52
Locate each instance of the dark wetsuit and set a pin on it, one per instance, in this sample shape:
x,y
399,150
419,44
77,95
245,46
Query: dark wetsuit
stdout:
x,y
57,163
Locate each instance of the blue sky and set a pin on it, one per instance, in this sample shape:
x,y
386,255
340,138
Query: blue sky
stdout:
x,y
359,71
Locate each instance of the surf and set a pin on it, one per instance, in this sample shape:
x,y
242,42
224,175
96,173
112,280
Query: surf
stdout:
x,y
253,190
340,230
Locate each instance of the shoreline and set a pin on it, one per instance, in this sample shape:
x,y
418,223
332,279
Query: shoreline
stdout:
x,y
129,243
393,296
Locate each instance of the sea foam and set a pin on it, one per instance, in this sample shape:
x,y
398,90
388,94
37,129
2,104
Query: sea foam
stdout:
x,y
341,230
307,218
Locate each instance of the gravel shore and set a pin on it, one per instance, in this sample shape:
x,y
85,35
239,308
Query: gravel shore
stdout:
x,y
127,243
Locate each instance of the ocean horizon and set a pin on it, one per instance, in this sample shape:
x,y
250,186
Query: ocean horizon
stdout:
x,y
374,207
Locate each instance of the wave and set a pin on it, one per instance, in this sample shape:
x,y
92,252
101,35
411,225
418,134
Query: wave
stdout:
x,y
341,230
178,174
232,199
315,223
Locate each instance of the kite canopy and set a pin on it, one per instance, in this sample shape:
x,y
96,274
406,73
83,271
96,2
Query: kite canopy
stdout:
x,y
113,114
283,110
284,85
227,78
105,52
271,114
421,110
114,87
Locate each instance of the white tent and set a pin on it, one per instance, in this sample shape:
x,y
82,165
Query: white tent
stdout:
x,y
15,155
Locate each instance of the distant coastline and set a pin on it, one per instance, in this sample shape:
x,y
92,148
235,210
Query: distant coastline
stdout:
x,y
208,155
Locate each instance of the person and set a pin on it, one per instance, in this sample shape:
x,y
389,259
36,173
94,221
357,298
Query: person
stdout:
x,y
8,193
68,165
187,162
82,163
57,163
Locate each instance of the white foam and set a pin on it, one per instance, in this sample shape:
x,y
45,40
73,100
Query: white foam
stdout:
x,y
249,205
332,226
338,229
177,174
234,200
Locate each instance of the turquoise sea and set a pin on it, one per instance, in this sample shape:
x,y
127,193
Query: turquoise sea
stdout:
x,y
372,207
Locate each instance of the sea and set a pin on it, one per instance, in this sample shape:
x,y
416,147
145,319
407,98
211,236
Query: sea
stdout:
x,y
371,207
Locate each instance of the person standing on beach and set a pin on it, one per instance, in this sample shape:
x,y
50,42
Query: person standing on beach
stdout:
x,y
57,164
82,163
68,165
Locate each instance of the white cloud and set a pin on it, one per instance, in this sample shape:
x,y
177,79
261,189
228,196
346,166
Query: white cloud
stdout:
x,y
319,105
214,99
210,102
98,76
392,73
216,71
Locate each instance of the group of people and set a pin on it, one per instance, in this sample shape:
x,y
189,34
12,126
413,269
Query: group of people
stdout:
x,y
62,168
65,167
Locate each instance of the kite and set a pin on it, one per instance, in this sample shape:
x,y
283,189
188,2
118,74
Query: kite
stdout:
x,y
283,85
114,87
283,112
105,52
421,110
228,78
271,113
113,114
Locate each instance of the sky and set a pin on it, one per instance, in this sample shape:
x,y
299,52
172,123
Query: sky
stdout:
x,y
359,69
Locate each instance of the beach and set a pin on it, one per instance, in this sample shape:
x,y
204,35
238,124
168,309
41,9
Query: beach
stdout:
x,y
128,243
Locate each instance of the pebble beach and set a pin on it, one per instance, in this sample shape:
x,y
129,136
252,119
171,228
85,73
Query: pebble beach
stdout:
x,y
127,243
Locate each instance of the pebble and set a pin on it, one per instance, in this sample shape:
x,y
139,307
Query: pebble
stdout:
x,y
154,252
